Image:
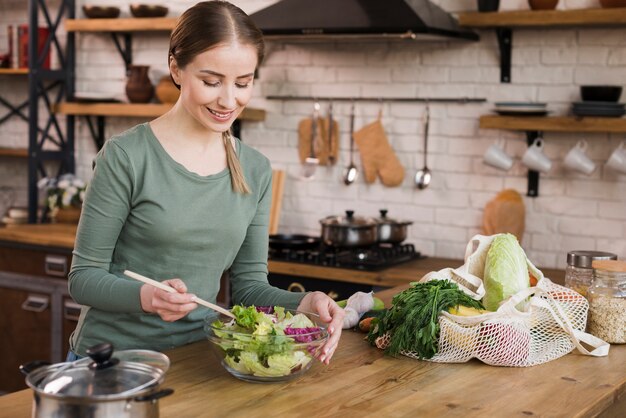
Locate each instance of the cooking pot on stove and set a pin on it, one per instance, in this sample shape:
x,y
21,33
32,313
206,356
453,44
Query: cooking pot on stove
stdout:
x,y
124,385
293,241
349,230
390,230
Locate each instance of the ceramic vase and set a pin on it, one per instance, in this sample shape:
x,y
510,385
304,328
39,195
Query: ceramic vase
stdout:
x,y
139,89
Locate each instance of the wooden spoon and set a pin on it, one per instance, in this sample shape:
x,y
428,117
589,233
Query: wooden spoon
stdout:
x,y
169,289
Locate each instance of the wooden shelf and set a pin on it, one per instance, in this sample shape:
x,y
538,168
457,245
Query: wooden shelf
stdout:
x,y
160,24
13,71
14,152
136,110
547,18
553,124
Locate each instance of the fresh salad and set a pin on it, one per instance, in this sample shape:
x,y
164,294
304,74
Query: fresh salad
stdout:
x,y
267,341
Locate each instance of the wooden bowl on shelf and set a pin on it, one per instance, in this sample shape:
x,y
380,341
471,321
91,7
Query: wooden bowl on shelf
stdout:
x,y
148,10
612,3
543,4
101,12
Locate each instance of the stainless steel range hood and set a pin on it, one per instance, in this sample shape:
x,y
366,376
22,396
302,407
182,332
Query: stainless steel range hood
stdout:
x,y
358,19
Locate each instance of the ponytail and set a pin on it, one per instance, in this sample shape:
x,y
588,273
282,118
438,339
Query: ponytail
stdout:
x,y
236,173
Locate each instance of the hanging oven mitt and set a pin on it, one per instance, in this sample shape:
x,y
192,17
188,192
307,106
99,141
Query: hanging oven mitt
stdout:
x,y
377,156
505,213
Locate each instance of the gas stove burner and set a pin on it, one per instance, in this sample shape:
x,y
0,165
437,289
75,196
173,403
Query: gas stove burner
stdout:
x,y
372,258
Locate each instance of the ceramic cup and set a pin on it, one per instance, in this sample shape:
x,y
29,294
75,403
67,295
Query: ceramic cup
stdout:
x,y
496,157
535,159
577,159
617,160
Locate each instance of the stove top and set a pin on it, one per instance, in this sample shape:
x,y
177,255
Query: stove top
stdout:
x,y
376,257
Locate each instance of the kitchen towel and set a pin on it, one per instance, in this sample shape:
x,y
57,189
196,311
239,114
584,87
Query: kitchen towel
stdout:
x,y
377,156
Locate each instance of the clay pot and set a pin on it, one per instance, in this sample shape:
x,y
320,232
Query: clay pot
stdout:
x,y
543,4
166,91
139,89
613,3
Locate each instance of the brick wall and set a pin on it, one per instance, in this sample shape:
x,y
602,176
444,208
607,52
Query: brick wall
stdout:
x,y
573,211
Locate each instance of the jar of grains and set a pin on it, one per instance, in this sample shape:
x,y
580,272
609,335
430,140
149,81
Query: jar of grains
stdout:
x,y
579,273
607,301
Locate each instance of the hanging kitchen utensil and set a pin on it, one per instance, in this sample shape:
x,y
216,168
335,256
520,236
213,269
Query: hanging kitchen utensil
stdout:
x,y
311,162
423,176
331,154
351,172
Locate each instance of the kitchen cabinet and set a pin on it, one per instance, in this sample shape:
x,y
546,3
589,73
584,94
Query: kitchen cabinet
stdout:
x,y
35,307
503,22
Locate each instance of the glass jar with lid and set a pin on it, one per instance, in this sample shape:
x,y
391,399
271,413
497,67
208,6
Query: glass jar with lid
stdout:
x,y
579,272
607,301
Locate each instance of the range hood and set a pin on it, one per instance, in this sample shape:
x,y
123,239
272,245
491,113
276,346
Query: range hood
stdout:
x,y
358,19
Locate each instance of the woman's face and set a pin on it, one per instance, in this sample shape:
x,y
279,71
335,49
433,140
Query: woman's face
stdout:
x,y
217,85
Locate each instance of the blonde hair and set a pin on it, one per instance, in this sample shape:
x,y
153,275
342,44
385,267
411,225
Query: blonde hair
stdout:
x,y
205,26
237,178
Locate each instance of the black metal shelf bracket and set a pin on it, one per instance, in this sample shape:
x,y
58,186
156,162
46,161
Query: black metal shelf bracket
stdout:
x,y
96,129
126,50
533,176
505,42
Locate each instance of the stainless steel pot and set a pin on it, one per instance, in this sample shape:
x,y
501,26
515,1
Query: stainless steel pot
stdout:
x,y
391,230
123,386
349,230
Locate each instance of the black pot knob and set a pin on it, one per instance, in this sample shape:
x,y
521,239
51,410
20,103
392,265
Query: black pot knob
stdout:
x,y
101,356
383,213
349,214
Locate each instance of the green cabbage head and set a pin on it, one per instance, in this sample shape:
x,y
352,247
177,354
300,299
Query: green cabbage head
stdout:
x,y
506,271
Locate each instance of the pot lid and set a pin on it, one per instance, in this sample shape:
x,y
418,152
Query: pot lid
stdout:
x,y
348,221
103,375
384,219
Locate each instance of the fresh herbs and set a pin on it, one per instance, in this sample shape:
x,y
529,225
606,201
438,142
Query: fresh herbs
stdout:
x,y
412,320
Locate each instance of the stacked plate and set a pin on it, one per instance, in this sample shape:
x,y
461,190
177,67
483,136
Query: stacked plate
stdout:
x,y
521,109
603,109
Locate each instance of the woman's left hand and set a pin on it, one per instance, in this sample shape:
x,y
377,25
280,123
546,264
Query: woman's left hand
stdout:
x,y
330,313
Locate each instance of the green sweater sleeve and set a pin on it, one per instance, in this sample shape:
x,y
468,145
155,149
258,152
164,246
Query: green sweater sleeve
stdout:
x,y
248,273
105,208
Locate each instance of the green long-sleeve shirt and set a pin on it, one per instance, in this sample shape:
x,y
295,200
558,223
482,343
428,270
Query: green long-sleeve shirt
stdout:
x,y
145,212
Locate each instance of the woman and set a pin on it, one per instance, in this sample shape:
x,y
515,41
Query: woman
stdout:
x,y
180,199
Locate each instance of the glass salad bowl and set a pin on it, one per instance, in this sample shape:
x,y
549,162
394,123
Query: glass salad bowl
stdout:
x,y
266,344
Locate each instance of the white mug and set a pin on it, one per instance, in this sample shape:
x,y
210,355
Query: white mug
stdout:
x,y
496,157
535,159
577,159
617,160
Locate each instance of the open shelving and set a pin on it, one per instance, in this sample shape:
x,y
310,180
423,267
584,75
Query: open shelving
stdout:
x,y
504,22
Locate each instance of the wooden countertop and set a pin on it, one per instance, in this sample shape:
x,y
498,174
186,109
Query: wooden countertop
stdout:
x,y
362,381
62,235
52,235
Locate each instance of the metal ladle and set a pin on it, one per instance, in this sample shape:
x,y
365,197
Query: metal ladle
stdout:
x,y
351,172
423,176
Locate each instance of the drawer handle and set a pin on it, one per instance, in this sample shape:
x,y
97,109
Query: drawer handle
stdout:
x,y
55,265
34,303
71,310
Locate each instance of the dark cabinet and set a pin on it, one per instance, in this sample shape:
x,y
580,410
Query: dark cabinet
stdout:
x,y
36,312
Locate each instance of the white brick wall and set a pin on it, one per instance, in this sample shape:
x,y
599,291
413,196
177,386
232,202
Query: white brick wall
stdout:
x,y
572,212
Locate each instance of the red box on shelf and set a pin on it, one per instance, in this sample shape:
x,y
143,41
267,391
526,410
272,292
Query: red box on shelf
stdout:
x,y
22,36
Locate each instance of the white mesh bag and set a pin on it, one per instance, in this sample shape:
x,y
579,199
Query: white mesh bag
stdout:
x,y
550,325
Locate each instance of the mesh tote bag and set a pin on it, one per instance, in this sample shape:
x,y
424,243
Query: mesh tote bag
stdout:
x,y
534,326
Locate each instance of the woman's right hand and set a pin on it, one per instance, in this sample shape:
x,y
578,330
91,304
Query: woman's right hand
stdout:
x,y
169,306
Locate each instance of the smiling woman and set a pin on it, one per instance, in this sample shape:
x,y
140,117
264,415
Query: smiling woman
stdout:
x,y
212,217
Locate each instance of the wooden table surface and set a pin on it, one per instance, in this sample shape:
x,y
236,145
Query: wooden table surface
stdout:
x,y
362,381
